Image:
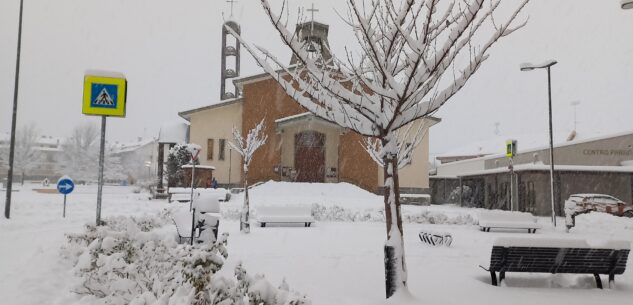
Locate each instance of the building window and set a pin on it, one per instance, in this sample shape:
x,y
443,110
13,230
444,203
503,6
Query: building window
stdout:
x,y
209,149
221,149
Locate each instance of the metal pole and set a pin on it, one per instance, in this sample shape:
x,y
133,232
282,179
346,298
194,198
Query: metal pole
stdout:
x,y
511,185
230,164
193,170
551,144
7,203
64,214
101,161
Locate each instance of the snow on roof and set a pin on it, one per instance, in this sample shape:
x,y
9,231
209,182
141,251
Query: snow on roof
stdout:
x,y
199,166
187,113
294,117
561,243
173,133
500,144
496,144
132,146
544,167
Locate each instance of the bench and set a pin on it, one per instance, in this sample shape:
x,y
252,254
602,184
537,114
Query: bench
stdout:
x,y
204,226
557,256
182,194
507,220
285,214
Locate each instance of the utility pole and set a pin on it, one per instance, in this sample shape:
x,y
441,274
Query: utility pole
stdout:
x,y
7,203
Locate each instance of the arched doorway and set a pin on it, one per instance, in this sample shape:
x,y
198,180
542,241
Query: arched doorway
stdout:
x,y
310,156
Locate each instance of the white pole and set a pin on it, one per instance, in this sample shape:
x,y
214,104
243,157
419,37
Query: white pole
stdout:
x,y
193,170
101,161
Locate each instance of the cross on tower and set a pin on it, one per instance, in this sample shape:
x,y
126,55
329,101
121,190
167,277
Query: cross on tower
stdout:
x,y
232,2
312,11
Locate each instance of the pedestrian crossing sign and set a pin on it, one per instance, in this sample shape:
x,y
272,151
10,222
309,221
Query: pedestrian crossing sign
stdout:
x,y
104,95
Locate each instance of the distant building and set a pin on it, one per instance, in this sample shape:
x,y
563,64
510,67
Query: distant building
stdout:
x,y
139,158
596,165
49,147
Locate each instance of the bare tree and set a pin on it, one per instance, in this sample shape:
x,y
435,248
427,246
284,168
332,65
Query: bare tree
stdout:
x,y
414,55
80,156
28,154
246,148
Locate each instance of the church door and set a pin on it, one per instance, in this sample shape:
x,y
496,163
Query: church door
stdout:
x,y
310,156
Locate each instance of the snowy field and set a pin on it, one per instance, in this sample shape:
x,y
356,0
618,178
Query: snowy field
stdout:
x,y
332,262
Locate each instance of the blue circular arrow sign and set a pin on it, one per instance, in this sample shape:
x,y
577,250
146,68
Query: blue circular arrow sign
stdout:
x,y
65,185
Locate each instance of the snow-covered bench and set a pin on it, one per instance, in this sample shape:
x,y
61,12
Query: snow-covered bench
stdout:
x,y
183,194
549,255
204,226
507,220
285,214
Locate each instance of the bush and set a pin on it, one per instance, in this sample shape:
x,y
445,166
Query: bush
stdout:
x,y
127,261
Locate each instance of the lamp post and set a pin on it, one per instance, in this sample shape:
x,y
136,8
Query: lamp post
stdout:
x,y
547,65
626,4
7,203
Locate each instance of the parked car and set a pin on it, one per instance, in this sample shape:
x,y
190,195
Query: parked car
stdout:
x,y
585,203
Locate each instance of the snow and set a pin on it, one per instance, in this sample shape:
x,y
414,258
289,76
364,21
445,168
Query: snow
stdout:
x,y
561,243
173,133
333,263
199,166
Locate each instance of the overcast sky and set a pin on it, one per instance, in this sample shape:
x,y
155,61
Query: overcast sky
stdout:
x,y
169,51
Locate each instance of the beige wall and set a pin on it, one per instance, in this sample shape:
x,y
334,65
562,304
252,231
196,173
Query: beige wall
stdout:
x,y
217,123
332,135
416,174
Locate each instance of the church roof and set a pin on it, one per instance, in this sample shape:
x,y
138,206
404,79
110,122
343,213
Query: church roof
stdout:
x,y
187,113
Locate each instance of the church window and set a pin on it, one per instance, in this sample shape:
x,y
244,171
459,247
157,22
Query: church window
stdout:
x,y
222,143
210,149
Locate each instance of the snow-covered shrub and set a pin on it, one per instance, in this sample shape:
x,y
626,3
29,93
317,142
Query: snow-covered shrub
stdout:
x,y
124,262
336,213
129,261
436,217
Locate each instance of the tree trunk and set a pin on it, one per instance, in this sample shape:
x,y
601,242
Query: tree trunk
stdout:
x,y
245,226
23,178
395,266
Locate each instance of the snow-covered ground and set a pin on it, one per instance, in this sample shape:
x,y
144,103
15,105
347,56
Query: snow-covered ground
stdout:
x,y
333,262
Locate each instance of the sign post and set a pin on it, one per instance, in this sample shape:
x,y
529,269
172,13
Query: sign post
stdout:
x,y
511,151
194,157
65,186
104,95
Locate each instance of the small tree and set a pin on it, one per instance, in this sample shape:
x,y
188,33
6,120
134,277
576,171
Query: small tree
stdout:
x,y
414,55
246,148
179,155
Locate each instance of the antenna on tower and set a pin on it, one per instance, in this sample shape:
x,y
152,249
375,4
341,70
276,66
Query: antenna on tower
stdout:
x,y
232,3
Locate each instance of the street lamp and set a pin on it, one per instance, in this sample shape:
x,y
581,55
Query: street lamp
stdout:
x,y
627,4
547,65
7,203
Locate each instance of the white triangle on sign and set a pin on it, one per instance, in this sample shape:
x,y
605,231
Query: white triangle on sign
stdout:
x,y
104,98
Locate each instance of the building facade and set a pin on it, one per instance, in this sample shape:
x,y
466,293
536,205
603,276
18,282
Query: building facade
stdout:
x,y
596,165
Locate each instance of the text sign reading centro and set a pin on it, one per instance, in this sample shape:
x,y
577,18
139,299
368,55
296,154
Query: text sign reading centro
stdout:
x,y
104,95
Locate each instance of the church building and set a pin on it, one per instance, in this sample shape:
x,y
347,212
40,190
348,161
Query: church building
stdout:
x,y
300,147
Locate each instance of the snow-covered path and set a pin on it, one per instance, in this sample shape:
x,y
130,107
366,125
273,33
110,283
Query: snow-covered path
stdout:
x,y
334,263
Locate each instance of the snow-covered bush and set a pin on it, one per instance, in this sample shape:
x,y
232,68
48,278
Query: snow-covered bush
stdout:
x,y
131,261
336,213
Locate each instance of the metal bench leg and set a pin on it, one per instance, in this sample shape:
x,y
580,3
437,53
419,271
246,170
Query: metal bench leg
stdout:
x,y
502,276
611,281
598,281
493,278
